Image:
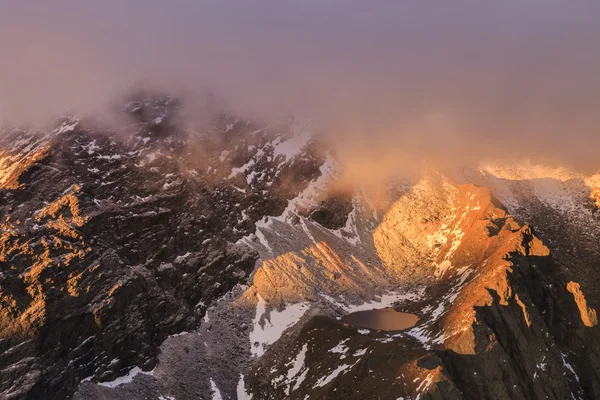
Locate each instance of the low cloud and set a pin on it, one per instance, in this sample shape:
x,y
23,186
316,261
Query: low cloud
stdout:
x,y
392,84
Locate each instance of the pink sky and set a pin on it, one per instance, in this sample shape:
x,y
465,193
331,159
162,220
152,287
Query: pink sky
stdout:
x,y
410,73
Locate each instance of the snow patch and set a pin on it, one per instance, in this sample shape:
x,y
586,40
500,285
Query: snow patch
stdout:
x,y
382,301
340,349
297,365
273,324
334,374
216,393
301,135
307,199
241,390
242,170
360,353
298,362
125,378
67,126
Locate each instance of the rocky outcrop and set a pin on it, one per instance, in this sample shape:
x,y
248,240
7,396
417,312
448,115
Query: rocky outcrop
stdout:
x,y
561,204
497,316
111,242
332,212
588,315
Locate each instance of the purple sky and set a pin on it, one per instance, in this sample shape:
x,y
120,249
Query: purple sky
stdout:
x,y
407,72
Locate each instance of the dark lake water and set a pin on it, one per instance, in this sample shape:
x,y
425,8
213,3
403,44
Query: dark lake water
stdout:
x,y
386,319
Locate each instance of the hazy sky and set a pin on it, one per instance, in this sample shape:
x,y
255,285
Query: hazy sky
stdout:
x,y
438,77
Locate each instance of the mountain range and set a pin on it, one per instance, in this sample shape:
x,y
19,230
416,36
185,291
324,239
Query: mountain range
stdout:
x,y
164,260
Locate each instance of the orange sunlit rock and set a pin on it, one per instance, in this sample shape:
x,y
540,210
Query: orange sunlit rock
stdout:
x,y
588,315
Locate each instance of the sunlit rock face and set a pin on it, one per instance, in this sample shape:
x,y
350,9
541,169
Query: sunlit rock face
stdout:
x,y
562,206
164,260
493,307
113,240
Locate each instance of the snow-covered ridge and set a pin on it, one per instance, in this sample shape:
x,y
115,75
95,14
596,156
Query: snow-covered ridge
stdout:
x,y
515,184
526,170
268,328
307,199
301,133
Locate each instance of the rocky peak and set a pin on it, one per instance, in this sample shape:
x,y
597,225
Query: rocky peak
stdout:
x,y
112,241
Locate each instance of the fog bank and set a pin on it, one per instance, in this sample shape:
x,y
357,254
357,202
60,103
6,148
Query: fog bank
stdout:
x,y
392,83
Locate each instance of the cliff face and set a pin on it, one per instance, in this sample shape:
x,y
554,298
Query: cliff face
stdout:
x,y
165,261
113,241
498,319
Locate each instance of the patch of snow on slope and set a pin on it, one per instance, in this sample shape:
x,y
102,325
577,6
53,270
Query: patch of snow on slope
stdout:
x,y
569,367
307,231
67,126
334,374
301,135
216,393
308,197
423,331
242,170
333,301
298,362
273,324
383,301
360,353
528,171
300,379
261,238
442,268
340,348
553,186
305,200
241,390
297,365
223,155
350,230
420,335
125,378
